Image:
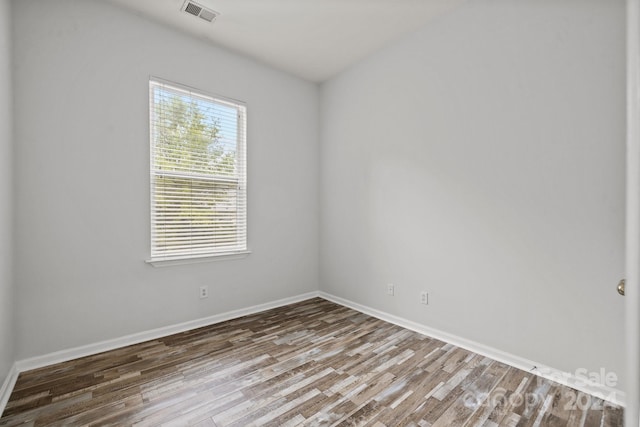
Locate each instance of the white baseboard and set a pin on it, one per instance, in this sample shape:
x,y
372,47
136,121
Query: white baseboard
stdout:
x,y
7,387
595,389
99,347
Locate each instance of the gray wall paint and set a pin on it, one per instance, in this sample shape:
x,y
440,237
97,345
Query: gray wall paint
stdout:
x,y
82,162
482,160
6,191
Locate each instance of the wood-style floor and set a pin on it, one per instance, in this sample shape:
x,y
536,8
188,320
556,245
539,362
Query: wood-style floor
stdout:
x,y
313,363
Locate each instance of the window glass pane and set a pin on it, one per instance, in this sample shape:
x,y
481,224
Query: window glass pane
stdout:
x,y
198,186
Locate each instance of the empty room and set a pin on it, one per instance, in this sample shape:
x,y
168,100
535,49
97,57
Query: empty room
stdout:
x,y
319,212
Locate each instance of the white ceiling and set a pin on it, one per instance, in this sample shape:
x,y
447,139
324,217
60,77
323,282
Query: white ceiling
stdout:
x,y
313,39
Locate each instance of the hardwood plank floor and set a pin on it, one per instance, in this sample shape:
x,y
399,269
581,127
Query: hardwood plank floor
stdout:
x,y
313,363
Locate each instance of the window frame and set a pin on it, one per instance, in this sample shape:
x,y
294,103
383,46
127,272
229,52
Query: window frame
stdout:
x,y
242,247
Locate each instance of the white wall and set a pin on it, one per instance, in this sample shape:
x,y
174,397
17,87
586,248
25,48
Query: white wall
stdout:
x,y
482,160
82,161
6,198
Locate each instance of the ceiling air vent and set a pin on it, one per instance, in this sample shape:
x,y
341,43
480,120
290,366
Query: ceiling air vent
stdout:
x,y
198,10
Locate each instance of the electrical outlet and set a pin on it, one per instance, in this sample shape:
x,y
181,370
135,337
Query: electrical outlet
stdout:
x,y
204,292
391,289
424,298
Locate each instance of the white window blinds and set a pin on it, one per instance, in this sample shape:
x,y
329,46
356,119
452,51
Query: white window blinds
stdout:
x,y
198,173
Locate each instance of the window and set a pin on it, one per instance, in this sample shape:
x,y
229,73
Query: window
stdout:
x,y
198,173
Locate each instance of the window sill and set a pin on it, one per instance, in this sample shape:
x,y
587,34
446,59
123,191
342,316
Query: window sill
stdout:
x,y
167,262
